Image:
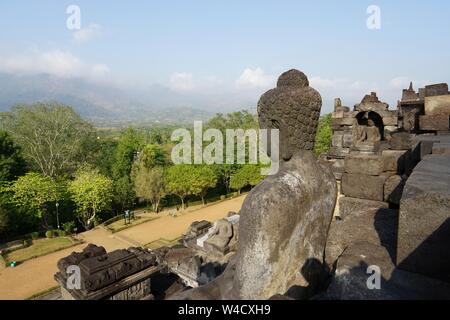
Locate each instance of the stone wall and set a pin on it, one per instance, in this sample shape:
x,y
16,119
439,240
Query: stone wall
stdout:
x,y
424,220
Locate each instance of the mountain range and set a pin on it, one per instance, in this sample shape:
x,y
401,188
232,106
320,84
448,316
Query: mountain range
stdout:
x,y
106,105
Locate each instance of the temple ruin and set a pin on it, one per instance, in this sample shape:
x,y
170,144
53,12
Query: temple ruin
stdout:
x,y
390,173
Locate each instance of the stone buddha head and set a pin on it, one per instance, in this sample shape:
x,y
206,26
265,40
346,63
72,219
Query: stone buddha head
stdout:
x,y
293,107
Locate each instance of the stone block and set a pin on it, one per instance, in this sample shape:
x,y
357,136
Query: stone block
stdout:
x,y
424,220
437,105
394,160
364,164
409,115
337,167
380,146
438,89
351,277
363,186
390,129
434,123
375,225
426,148
390,121
393,189
388,113
441,148
347,140
412,158
339,151
401,141
343,108
336,127
349,206
345,121
336,139
338,114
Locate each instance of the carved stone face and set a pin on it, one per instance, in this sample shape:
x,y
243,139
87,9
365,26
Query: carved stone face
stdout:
x,y
294,109
278,123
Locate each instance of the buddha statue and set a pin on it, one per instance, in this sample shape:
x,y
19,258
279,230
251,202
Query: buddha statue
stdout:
x,y
285,219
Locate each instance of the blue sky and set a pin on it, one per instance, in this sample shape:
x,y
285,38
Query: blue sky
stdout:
x,y
232,47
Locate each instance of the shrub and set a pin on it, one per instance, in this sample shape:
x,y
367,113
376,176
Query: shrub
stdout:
x,y
2,261
68,227
222,197
50,234
34,235
61,233
324,135
97,221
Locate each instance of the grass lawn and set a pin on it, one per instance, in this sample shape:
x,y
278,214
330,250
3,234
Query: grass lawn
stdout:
x,y
162,243
39,248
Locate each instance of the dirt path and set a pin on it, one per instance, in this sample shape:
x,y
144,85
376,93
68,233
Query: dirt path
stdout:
x,y
36,275
170,228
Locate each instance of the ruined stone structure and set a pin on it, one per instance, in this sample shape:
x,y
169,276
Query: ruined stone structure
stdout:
x,y
395,207
364,130
425,111
373,151
120,274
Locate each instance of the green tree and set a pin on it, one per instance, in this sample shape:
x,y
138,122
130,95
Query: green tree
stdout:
x,y
149,184
12,164
92,193
151,156
54,139
34,192
203,178
238,181
179,181
247,175
225,172
126,153
123,194
324,135
3,221
102,155
234,120
15,220
253,174
160,134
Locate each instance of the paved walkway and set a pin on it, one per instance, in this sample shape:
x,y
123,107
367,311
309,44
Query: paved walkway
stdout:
x,y
36,275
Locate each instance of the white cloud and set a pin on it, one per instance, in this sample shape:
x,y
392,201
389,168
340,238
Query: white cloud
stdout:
x,y
399,82
255,78
181,81
350,91
89,33
100,70
320,82
402,82
56,62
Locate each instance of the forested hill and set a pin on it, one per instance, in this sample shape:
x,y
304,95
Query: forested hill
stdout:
x,y
103,105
